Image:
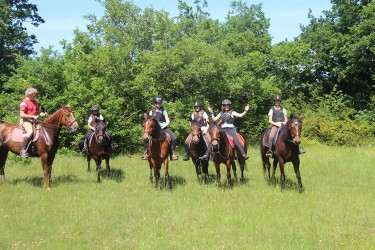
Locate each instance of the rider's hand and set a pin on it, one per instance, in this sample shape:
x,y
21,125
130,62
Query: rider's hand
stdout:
x,y
210,109
36,117
247,107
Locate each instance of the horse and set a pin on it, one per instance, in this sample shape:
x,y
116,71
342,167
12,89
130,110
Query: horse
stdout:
x,y
99,148
46,144
158,149
286,150
197,147
223,152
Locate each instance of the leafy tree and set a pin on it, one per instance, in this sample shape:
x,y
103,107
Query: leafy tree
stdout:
x,y
14,39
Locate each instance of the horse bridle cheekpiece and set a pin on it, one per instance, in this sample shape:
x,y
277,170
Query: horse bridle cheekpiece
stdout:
x,y
295,124
69,118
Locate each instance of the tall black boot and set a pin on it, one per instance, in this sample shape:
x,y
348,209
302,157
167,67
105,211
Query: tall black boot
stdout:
x,y
206,155
242,151
23,151
84,149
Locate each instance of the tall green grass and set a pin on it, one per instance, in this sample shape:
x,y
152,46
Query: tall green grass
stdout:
x,y
336,210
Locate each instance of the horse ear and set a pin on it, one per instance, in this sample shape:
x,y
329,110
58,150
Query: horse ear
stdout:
x,y
300,117
220,122
145,115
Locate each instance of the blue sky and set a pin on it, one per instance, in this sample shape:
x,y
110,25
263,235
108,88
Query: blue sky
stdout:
x,y
63,16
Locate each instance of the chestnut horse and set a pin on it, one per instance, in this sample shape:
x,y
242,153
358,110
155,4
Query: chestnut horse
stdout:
x,y
286,150
197,148
99,148
158,149
223,152
45,147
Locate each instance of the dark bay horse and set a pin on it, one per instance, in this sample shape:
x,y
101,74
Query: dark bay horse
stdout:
x,y
99,148
286,150
223,152
158,149
197,148
45,147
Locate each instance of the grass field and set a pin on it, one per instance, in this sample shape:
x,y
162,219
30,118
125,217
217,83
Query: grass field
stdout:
x,y
336,210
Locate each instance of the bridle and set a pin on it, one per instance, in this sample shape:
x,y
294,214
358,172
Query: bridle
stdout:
x,y
216,147
149,130
295,125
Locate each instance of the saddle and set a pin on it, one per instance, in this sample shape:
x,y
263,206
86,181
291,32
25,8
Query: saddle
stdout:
x,y
19,131
267,137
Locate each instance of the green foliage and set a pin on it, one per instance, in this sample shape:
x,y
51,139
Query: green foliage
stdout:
x,y
14,39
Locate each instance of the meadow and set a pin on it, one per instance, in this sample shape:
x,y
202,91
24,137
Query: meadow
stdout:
x,y
335,211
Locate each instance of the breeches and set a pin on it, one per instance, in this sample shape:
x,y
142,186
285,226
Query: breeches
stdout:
x,y
233,133
272,135
29,129
206,136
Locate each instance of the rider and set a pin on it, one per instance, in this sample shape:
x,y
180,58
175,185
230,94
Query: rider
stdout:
x,y
162,117
277,117
29,110
227,116
91,122
200,116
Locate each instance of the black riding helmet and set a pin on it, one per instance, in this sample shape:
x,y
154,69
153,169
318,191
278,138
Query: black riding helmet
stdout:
x,y
197,104
226,102
277,98
94,108
158,99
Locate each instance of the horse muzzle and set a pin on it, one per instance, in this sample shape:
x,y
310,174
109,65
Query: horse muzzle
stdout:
x,y
73,127
297,140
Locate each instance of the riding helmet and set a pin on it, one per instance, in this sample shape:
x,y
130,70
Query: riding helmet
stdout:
x,y
226,102
197,104
277,98
158,99
94,108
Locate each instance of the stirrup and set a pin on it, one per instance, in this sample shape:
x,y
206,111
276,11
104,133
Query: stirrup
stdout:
x,y
145,156
186,158
204,157
23,153
245,156
269,153
174,157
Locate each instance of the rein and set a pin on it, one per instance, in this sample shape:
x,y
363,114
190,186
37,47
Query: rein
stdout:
x,y
218,145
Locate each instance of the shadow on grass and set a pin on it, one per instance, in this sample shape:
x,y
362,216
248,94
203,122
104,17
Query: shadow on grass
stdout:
x,y
115,174
38,181
212,180
289,184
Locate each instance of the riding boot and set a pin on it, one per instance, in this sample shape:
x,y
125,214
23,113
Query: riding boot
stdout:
x,y
269,153
23,151
206,155
301,150
187,156
242,151
84,149
145,154
174,156
114,145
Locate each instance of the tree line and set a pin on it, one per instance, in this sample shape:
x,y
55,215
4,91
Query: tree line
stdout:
x,y
131,54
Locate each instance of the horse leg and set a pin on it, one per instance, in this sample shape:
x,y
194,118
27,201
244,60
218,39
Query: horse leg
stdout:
x,y
242,167
217,167
157,175
46,171
296,163
229,177
234,167
108,168
98,167
205,171
274,169
282,173
88,162
168,182
3,159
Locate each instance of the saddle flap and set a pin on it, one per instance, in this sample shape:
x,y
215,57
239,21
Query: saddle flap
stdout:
x,y
19,131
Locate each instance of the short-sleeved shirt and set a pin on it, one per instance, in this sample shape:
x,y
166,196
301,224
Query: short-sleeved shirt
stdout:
x,y
29,107
204,116
161,123
270,113
90,119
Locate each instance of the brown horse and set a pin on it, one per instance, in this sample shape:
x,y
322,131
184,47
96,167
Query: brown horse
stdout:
x,y
223,152
286,150
158,149
45,147
99,148
197,148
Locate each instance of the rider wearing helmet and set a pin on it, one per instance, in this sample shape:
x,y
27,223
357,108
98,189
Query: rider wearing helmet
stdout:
x,y
162,117
227,116
277,117
29,112
91,122
200,116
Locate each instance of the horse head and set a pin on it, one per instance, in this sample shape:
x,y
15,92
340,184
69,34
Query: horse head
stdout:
x,y
150,126
68,119
294,126
195,130
100,129
215,132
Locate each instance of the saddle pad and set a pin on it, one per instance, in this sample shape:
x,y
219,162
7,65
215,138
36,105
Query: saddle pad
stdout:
x,y
231,141
17,135
267,137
